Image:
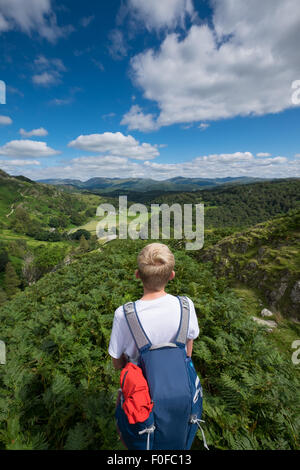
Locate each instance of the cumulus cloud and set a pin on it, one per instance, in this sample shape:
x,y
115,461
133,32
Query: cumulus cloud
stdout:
x,y
223,165
5,121
206,166
158,14
27,148
243,64
136,119
41,132
263,154
115,144
14,163
29,16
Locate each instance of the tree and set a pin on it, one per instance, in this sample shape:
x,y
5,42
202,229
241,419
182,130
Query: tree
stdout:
x,y
3,259
78,234
58,222
3,297
11,280
83,245
29,269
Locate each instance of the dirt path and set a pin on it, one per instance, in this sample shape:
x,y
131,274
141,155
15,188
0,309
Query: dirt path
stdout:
x,y
11,212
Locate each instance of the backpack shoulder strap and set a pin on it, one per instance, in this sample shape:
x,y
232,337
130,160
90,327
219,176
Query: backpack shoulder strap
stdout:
x,y
182,332
141,339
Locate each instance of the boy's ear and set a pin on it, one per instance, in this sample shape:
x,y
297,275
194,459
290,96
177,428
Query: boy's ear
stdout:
x,y
172,275
137,274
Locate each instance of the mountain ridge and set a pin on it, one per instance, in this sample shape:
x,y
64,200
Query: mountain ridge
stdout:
x,y
178,183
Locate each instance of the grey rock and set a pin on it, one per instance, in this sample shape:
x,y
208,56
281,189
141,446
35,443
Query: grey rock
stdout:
x,y
266,313
295,293
268,323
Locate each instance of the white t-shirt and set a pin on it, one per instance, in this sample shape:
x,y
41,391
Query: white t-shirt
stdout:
x,y
160,319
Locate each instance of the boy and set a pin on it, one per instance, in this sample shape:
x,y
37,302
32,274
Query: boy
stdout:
x,y
158,311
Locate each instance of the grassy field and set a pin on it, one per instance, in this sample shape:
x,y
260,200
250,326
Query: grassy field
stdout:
x,y
9,235
109,220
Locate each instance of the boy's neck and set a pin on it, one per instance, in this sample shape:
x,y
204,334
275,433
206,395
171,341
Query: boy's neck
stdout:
x,y
151,295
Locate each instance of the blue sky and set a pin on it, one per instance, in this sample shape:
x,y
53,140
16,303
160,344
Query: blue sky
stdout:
x,y
153,89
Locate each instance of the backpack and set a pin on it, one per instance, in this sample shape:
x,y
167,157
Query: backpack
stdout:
x,y
174,387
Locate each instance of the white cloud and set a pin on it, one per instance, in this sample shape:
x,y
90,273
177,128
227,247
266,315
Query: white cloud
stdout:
x,y
117,46
18,162
203,126
31,15
98,64
41,132
86,20
207,166
263,154
223,165
228,157
15,91
159,14
136,119
108,115
45,79
5,121
116,144
49,71
61,101
243,65
27,148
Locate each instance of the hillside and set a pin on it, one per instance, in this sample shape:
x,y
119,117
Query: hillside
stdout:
x,y
43,204
58,388
235,205
266,257
34,224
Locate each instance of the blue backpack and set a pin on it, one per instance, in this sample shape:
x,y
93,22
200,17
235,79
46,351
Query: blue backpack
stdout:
x,y
174,387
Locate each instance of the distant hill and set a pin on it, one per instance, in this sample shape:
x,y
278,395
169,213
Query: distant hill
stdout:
x,y
146,184
230,205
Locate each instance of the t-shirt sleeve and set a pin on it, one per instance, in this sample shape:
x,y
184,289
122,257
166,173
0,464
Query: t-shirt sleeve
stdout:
x,y
117,338
193,330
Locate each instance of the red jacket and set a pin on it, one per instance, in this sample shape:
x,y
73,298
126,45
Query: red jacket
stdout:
x,y
137,401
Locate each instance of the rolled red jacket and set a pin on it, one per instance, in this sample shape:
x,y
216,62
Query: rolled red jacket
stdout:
x,y
137,403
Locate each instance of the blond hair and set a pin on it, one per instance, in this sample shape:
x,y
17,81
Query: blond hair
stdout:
x,y
155,265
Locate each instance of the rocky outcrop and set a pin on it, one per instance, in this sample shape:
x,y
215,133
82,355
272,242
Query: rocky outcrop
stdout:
x,y
295,293
265,258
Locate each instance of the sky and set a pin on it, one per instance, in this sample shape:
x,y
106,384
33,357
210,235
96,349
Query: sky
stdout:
x,y
152,89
